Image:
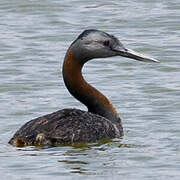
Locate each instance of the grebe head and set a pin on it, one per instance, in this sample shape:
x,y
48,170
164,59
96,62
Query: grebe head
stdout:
x,y
98,44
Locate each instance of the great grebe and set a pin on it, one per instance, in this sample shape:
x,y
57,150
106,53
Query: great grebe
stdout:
x,y
73,125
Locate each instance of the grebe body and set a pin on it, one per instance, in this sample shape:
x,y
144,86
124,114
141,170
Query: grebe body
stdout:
x,y
72,125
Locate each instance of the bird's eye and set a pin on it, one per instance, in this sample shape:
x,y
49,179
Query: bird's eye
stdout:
x,y
106,43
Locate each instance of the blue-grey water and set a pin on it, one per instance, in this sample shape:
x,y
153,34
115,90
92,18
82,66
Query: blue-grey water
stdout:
x,y
34,36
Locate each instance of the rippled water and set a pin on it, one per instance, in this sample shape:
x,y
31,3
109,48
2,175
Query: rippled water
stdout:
x,y
34,38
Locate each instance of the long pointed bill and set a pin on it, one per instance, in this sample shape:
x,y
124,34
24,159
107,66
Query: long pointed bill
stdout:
x,y
135,55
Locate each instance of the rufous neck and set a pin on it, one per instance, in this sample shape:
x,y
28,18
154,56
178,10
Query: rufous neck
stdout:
x,y
95,101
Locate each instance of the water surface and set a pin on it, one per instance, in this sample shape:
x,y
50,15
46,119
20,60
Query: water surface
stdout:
x,y
34,38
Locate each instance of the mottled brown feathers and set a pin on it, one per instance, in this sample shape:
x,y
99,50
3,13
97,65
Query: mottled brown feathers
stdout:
x,y
65,126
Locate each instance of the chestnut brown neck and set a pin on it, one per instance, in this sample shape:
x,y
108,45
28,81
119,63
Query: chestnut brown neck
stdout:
x,y
95,101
